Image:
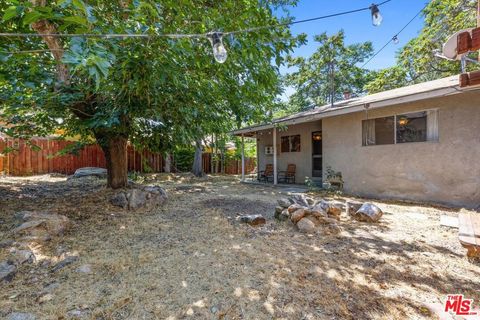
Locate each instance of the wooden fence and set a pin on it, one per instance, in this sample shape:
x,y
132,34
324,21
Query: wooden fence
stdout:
x,y
27,161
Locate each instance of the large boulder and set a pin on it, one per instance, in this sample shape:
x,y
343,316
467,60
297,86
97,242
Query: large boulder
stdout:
x,y
41,226
138,197
368,212
335,209
297,215
90,172
294,207
305,225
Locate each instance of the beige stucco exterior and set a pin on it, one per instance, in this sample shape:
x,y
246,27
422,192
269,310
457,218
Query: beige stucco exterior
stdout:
x,y
447,171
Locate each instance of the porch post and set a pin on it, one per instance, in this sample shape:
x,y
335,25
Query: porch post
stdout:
x,y
275,178
243,158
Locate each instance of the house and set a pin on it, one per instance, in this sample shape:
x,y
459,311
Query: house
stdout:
x,y
420,142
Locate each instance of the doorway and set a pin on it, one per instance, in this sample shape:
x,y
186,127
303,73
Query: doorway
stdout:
x,y
317,154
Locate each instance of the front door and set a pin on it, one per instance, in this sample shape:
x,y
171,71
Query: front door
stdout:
x,y
317,154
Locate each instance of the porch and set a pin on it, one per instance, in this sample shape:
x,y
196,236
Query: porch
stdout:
x,y
289,155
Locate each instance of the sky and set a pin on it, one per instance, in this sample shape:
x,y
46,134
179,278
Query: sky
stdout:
x,y
357,26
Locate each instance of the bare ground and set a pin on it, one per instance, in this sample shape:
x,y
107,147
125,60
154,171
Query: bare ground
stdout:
x,y
193,259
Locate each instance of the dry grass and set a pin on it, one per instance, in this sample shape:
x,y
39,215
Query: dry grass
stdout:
x,y
192,259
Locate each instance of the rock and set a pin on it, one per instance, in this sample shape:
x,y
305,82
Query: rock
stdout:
x,y
136,199
294,207
284,203
353,207
119,200
318,211
78,314
86,268
297,215
253,219
305,225
278,209
41,225
90,172
23,256
7,271
369,212
327,220
335,209
282,216
65,262
21,316
6,243
299,199
315,220
310,201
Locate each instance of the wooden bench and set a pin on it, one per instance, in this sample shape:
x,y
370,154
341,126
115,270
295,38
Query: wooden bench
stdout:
x,y
469,233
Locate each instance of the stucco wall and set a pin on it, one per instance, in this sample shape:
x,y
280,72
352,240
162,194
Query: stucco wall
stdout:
x,y
302,159
447,171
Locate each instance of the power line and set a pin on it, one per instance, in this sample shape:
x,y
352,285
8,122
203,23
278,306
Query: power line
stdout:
x,y
394,37
178,36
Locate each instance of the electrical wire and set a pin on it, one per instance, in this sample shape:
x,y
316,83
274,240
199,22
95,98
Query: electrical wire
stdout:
x,y
178,36
393,38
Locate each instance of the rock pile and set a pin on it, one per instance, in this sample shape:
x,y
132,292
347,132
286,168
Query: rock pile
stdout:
x,y
307,214
136,198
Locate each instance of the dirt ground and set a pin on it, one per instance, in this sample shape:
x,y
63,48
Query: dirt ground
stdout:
x,y
192,258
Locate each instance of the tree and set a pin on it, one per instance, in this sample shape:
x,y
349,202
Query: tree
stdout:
x,y
154,92
417,60
332,60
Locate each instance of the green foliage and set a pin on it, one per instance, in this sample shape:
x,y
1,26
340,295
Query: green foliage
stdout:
x,y
158,92
184,158
312,80
416,61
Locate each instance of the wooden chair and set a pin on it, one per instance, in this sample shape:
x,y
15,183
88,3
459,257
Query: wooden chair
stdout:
x,y
267,174
289,175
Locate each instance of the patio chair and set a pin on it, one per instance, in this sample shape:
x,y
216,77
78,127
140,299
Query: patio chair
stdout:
x,y
267,174
289,175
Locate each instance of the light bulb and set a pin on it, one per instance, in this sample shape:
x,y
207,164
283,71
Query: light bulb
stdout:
x,y
376,16
219,51
395,39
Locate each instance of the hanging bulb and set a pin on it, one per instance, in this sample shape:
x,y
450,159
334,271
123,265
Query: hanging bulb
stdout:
x,y
395,39
219,51
376,16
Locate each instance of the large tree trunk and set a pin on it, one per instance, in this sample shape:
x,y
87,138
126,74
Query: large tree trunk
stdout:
x,y
115,150
197,168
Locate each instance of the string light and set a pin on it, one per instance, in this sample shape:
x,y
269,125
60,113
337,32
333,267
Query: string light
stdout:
x,y
216,38
219,52
395,39
376,16
396,35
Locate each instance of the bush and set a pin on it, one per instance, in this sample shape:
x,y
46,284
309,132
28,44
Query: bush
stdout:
x,y
184,158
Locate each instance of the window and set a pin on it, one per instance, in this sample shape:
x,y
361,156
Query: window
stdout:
x,y
290,143
403,128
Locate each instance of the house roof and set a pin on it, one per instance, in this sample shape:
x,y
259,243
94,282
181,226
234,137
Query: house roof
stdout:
x,y
421,91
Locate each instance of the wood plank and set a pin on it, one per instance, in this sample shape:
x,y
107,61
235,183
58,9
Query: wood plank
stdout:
x,y
449,221
469,233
